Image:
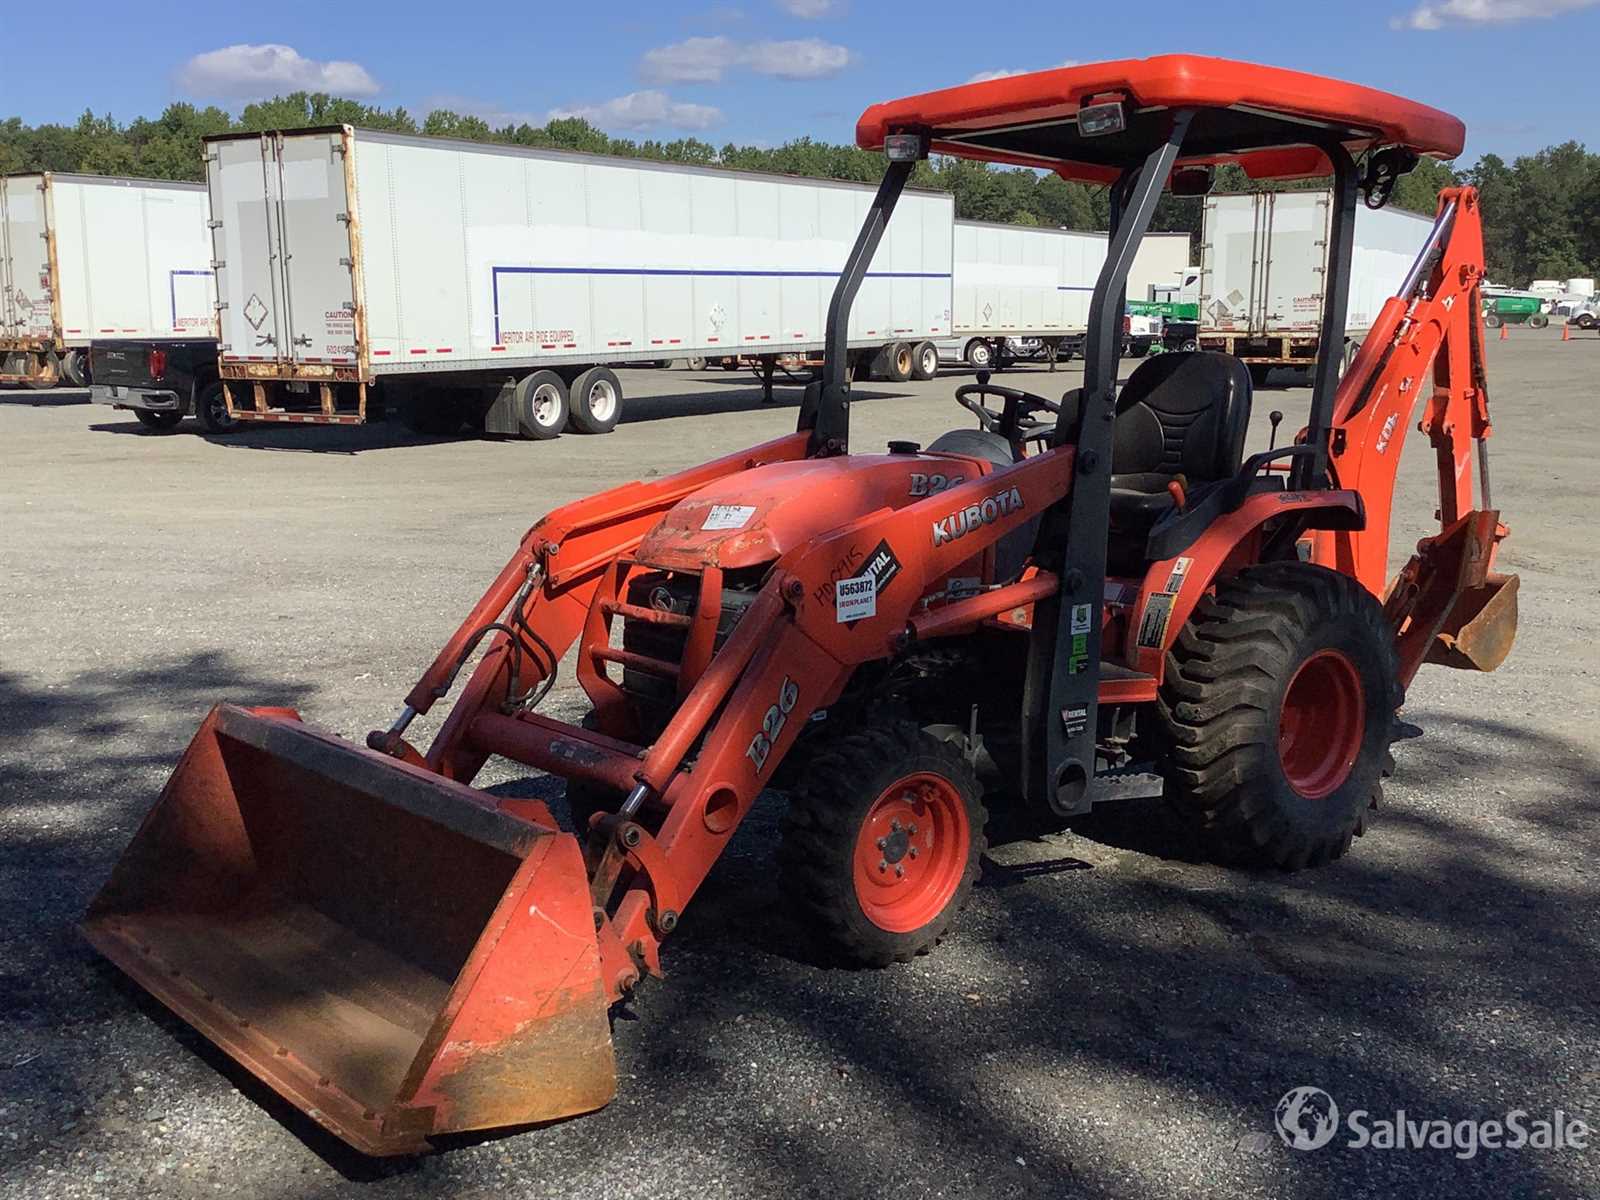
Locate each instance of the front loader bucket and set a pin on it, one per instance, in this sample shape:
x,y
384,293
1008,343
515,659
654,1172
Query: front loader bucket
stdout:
x,y
388,950
1482,624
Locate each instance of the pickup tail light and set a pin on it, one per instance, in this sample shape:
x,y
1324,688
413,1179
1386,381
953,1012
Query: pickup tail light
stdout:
x,y
1127,325
158,364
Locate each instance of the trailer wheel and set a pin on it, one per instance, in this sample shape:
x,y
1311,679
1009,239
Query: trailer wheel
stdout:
x,y
924,361
1278,702
596,400
1259,374
211,410
49,374
979,354
541,404
730,363
882,843
160,422
695,362
895,362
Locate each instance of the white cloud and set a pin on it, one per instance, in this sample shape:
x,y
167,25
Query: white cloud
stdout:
x,y
707,59
810,10
638,111
490,112
251,72
1003,72
1485,12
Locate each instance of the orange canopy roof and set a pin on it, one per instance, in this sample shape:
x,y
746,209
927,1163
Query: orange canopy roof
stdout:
x,y
1263,118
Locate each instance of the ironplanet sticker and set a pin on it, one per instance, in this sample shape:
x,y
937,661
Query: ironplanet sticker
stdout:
x,y
856,598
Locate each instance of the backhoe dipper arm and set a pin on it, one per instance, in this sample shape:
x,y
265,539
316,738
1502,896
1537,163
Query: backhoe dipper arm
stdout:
x,y
1434,326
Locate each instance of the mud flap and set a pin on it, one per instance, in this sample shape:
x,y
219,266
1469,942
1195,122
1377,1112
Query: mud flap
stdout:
x,y
391,952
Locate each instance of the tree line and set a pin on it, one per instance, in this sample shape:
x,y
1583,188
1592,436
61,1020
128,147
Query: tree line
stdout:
x,y
1541,211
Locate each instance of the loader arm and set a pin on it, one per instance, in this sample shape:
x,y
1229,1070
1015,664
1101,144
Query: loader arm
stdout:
x,y
1432,329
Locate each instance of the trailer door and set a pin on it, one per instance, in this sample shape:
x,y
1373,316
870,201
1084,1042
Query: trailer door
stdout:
x,y
27,308
314,228
241,175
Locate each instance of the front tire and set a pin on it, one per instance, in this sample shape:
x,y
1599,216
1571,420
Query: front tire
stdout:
x,y
1493,320
1539,321
882,843
979,354
1278,703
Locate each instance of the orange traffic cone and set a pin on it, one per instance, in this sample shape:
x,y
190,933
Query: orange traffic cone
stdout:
x,y
1566,331
1505,332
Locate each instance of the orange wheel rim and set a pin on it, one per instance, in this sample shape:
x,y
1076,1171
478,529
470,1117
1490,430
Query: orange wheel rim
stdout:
x,y
911,853
1321,726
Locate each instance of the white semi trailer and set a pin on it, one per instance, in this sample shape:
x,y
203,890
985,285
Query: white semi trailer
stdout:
x,y
87,257
1263,260
1022,291
493,285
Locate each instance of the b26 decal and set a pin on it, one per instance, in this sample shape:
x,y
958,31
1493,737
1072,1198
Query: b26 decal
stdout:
x,y
777,716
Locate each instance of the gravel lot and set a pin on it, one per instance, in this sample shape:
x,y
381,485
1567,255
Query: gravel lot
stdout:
x,y
1110,1018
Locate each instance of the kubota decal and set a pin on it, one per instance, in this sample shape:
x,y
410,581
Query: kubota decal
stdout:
x,y
974,516
777,716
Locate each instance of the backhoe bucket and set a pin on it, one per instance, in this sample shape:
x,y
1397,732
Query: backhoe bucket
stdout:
x,y
388,950
1482,624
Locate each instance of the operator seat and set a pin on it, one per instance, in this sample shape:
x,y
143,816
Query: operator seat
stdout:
x,y
1179,414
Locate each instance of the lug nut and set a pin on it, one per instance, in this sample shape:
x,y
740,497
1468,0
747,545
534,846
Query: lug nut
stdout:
x,y
883,864
912,829
912,852
883,843
894,826
900,872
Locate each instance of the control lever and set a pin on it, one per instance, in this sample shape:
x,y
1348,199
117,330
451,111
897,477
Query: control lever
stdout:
x,y
1276,418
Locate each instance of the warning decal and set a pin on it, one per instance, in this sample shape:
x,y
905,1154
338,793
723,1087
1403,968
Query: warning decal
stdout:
x,y
1157,612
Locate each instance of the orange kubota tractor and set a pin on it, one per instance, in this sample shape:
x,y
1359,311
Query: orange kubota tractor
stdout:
x,y
1079,600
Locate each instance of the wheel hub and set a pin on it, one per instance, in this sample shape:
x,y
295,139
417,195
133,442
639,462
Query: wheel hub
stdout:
x,y
1322,724
911,852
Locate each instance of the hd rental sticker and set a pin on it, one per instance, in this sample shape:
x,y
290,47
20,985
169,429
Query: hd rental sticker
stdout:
x,y
729,516
857,597
1180,569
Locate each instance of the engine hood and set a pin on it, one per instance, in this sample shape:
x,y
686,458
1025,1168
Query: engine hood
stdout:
x,y
759,515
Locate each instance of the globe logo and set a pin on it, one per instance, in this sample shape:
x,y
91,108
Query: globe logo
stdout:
x,y
1306,1118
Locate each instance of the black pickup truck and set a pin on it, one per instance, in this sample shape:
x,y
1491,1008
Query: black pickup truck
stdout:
x,y
161,382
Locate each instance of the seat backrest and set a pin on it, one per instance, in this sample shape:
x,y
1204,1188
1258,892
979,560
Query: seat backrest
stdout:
x,y
1183,413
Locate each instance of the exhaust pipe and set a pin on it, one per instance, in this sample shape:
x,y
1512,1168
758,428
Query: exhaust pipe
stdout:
x,y
391,952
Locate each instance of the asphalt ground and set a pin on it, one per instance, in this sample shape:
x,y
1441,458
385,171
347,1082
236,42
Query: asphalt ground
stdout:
x,y
1109,1018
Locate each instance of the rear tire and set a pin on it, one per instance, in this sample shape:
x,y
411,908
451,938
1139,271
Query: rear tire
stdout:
x,y
694,363
924,361
75,368
160,422
595,401
49,375
540,401
1539,321
892,794
1493,320
1278,703
895,362
1586,321
211,410
1259,374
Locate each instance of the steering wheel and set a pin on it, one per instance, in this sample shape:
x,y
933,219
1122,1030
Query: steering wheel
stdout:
x,y
1017,419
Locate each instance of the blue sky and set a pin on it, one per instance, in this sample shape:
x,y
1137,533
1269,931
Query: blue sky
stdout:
x,y
1519,72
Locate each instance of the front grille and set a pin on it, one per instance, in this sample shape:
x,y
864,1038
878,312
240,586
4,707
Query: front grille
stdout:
x,y
656,697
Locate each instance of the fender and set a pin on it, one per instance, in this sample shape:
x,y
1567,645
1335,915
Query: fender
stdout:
x,y
1173,586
